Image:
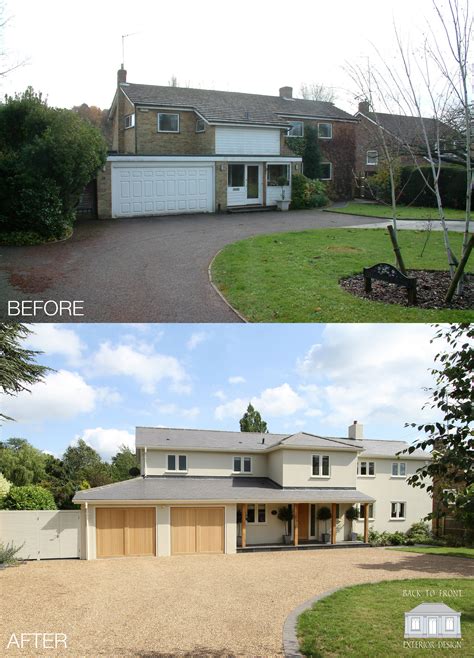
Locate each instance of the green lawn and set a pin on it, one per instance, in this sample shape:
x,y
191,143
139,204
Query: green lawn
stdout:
x,y
438,550
368,620
403,212
294,277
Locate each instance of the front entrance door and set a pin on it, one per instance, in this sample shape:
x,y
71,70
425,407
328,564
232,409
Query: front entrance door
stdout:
x,y
303,520
432,626
244,186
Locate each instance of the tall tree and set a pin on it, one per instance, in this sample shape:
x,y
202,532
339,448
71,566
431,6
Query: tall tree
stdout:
x,y
315,91
21,463
252,421
18,369
123,462
450,440
311,153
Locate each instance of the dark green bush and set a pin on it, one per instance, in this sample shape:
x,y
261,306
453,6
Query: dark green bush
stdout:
x,y
307,193
47,156
31,496
414,191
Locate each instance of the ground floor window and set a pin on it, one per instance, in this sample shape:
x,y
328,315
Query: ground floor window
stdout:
x,y
326,171
450,623
397,510
415,623
276,173
256,514
362,511
236,175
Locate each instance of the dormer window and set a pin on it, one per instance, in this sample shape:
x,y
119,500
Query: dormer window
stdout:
x,y
242,465
168,123
297,129
325,130
177,464
129,121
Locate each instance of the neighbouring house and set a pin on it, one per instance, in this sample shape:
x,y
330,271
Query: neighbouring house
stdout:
x,y
432,620
182,150
402,136
218,492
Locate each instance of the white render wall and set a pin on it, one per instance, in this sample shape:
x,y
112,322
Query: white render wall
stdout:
x,y
210,464
387,489
275,466
42,534
297,469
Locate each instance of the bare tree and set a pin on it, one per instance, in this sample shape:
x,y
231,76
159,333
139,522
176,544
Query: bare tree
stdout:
x,y
315,91
6,66
173,81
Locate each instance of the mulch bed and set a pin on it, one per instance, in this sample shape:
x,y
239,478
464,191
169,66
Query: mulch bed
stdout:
x,y
431,290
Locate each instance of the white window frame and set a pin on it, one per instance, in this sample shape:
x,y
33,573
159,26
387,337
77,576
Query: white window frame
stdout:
x,y
374,157
325,123
293,126
129,120
367,467
177,469
320,475
242,462
398,469
451,624
330,170
201,122
175,114
256,521
398,517
361,516
415,624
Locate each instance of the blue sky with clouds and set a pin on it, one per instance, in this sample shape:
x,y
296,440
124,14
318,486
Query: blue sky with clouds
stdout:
x,y
316,378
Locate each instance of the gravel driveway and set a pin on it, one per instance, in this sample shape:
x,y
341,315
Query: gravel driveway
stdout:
x,y
213,606
143,269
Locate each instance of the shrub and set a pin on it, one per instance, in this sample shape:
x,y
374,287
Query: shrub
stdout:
x,y
5,487
452,186
8,553
396,538
29,497
418,533
380,184
47,156
307,193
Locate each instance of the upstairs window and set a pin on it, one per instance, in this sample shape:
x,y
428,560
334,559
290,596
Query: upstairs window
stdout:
x,y
297,129
129,121
366,469
168,123
177,463
200,125
242,464
320,465
397,511
399,469
325,130
372,158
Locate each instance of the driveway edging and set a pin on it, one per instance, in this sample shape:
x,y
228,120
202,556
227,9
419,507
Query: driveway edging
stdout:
x,y
216,289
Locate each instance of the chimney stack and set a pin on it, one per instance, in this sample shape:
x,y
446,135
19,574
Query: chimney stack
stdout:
x,y
286,92
356,430
364,107
121,75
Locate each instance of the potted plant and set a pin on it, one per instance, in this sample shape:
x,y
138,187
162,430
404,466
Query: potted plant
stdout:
x,y
324,514
351,515
285,514
283,203
239,527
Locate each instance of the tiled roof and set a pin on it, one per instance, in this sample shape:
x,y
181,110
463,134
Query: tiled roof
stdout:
x,y
234,107
225,489
409,128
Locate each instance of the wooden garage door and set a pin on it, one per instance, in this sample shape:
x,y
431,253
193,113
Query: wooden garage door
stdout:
x,y
197,530
125,531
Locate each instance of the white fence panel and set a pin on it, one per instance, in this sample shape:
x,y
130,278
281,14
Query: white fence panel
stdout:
x,y
45,534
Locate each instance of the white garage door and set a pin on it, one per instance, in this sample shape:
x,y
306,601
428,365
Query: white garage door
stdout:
x,y
161,190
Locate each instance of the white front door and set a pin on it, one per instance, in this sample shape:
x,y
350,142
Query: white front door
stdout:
x,y
244,185
432,626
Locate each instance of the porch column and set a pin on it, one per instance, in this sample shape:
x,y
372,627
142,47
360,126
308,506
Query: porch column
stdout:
x,y
295,525
366,523
244,526
333,523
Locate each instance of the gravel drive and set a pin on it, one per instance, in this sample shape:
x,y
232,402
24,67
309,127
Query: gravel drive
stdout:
x,y
213,606
152,269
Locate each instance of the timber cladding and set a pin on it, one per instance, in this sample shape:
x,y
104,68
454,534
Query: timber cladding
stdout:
x,y
125,531
197,530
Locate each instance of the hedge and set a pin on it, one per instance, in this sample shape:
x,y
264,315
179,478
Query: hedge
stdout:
x,y
414,191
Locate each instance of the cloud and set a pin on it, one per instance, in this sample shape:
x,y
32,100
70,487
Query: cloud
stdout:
x,y
147,367
106,441
61,395
174,409
373,373
220,395
196,339
237,380
56,339
279,401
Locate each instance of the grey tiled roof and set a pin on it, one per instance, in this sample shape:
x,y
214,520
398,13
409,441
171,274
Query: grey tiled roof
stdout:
x,y
230,106
435,608
222,489
408,128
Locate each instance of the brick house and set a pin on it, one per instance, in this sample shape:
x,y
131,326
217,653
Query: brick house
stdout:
x,y
181,150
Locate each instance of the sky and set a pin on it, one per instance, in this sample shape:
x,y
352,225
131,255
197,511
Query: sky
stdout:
x,y
73,49
110,378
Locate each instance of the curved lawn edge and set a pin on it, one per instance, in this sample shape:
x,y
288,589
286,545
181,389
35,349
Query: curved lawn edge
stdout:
x,y
216,289
67,236
341,211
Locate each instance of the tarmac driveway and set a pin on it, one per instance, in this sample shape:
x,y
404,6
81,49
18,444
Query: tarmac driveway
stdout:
x,y
213,606
141,270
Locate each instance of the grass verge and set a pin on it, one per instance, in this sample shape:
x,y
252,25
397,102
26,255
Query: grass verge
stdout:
x,y
294,277
368,620
437,550
403,212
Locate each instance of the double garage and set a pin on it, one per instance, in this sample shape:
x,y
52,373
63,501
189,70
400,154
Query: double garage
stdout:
x,y
133,531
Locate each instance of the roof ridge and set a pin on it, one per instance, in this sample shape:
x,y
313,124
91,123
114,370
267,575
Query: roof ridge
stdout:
x,y
198,429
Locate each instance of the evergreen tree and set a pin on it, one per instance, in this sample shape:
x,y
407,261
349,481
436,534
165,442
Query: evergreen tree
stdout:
x,y
252,421
311,153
